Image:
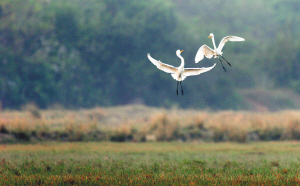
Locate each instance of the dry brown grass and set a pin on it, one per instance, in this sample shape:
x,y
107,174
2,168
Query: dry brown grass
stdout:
x,y
135,122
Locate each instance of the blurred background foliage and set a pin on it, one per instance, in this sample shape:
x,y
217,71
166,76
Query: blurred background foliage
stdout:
x,y
86,53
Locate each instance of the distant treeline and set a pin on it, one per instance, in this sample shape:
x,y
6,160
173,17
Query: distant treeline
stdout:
x,y
79,53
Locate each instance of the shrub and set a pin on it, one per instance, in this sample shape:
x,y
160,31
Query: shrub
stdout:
x,y
3,129
163,128
293,129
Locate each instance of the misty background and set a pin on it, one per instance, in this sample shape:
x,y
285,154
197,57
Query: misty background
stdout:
x,y
87,53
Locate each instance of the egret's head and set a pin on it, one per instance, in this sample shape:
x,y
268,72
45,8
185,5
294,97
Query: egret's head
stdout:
x,y
178,52
211,35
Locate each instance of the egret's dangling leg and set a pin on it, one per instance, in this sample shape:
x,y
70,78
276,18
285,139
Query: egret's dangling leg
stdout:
x,y
181,88
222,65
177,88
226,61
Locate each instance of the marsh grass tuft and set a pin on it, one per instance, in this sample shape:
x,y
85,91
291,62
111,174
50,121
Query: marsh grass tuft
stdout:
x,y
275,163
33,109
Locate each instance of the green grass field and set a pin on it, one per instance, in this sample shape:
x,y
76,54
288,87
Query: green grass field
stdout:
x,y
173,163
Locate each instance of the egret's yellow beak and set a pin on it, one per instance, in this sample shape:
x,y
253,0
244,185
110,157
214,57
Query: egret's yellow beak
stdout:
x,y
181,50
209,36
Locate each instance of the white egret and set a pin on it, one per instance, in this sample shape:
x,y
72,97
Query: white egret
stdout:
x,y
204,50
178,73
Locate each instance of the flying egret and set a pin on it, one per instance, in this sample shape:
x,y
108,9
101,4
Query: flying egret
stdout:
x,y
204,50
179,73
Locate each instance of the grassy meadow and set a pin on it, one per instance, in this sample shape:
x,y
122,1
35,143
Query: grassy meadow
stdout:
x,y
164,163
162,147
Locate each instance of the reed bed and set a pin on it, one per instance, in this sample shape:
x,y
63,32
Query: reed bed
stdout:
x,y
140,123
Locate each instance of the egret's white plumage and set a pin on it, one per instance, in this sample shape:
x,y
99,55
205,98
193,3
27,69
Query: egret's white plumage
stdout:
x,y
206,51
179,73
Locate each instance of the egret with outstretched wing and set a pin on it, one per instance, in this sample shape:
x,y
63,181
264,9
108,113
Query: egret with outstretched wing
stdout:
x,y
206,51
179,73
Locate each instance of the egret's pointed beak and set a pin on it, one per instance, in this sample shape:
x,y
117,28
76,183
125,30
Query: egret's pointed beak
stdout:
x,y
209,36
181,50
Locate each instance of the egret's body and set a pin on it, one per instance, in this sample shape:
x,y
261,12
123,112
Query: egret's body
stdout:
x,y
206,51
179,73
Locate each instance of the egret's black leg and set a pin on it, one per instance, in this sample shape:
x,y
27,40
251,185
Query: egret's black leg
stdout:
x,y
177,88
181,88
222,65
226,61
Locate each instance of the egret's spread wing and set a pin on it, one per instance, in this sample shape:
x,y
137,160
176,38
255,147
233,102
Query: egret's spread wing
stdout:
x,y
228,38
204,50
162,66
196,71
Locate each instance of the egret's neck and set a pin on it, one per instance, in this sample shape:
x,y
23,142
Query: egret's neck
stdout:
x,y
182,62
213,40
